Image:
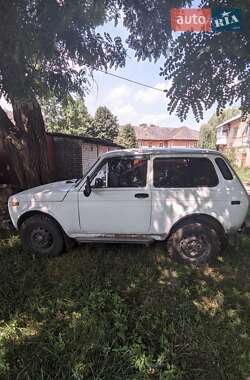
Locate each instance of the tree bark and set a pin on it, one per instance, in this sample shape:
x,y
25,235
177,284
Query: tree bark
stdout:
x,y
12,150
25,143
29,122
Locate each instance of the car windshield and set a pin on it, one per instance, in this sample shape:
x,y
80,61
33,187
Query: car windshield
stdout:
x,y
86,173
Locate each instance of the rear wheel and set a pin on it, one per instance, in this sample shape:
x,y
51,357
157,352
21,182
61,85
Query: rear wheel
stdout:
x,y
41,236
194,242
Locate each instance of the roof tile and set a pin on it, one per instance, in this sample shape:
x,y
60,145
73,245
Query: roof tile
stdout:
x,y
163,133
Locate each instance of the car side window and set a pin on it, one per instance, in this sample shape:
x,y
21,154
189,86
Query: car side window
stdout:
x,y
224,169
122,172
184,172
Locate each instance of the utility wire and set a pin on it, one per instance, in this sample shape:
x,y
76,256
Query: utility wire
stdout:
x,y
130,80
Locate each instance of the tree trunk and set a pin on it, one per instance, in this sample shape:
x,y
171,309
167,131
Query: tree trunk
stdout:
x,y
29,123
11,151
25,144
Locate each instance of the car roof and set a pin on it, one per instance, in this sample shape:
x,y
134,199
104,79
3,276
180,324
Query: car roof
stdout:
x,y
160,151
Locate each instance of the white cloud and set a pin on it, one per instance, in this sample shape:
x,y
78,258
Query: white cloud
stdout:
x,y
150,96
118,94
125,113
135,105
155,118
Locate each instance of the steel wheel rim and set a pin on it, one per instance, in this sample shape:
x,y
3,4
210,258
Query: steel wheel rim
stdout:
x,y
41,238
195,247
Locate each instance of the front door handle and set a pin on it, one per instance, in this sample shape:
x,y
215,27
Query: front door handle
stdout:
x,y
141,195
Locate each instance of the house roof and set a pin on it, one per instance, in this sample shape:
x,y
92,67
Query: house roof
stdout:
x,y
229,120
86,139
160,133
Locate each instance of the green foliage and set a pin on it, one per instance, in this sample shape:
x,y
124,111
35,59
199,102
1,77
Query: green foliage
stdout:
x,y
208,130
244,174
209,68
105,124
43,44
126,136
207,137
123,312
69,116
231,155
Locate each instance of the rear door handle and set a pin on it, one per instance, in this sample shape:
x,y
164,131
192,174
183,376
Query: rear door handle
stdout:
x,y
141,195
235,203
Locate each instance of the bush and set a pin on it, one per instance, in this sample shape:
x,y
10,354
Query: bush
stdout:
x,y
231,155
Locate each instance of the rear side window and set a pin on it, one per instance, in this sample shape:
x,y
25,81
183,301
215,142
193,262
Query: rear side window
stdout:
x,y
224,169
184,172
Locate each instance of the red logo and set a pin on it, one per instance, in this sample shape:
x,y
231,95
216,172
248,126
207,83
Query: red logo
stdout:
x,y
191,20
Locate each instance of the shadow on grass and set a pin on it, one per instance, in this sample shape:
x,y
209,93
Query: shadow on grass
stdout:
x,y
123,312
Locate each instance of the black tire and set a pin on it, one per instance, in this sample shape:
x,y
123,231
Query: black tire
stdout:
x,y
41,236
194,243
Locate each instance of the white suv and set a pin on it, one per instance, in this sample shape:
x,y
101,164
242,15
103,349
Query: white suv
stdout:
x,y
190,198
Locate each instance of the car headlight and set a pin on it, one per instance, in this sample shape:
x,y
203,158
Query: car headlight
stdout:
x,y
14,203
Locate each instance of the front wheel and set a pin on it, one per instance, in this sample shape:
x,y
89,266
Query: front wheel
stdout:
x,y
41,236
194,243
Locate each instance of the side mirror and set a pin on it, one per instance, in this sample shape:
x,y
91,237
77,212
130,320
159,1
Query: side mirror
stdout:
x,y
98,183
87,188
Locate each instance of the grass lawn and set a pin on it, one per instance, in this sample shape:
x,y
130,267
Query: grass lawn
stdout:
x,y
123,312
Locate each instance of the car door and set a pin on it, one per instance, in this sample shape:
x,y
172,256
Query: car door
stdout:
x,y
120,198
183,185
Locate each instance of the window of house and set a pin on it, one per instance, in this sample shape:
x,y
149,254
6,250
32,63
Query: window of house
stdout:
x,y
235,132
224,169
246,130
225,130
123,172
184,172
161,145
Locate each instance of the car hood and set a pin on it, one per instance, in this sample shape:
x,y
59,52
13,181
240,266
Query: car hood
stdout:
x,y
51,192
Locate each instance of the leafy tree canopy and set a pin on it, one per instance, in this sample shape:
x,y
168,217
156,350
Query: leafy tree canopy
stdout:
x,y
208,130
126,136
44,42
69,116
105,124
209,68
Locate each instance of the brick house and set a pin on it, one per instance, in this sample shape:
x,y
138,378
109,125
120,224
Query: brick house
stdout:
x,y
71,156
235,134
154,136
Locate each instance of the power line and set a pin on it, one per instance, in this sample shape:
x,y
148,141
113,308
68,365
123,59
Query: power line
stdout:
x,y
130,80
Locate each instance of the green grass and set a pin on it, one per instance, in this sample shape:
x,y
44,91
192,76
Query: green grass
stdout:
x,y
244,174
123,312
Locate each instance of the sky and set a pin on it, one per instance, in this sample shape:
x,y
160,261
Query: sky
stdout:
x,y
132,103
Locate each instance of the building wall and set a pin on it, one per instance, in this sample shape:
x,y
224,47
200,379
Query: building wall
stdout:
x,y
182,143
73,157
238,139
67,158
90,153
168,143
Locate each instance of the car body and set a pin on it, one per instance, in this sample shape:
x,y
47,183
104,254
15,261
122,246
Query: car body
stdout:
x,y
140,195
